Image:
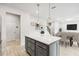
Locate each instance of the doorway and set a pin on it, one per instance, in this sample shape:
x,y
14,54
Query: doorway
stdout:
x,y
12,27
12,33
0,36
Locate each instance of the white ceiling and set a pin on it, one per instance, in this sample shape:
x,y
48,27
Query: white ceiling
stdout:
x,y
61,12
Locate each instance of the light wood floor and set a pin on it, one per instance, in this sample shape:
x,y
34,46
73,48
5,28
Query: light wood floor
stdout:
x,y
69,51
13,48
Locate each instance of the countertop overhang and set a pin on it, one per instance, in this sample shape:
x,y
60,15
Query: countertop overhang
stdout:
x,y
44,38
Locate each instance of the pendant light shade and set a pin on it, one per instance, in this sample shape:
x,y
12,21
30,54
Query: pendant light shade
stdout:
x,y
49,17
49,20
37,20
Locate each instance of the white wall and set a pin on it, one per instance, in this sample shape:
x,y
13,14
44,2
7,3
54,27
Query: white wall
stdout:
x,y
64,26
56,28
27,27
0,27
0,23
3,11
12,32
25,20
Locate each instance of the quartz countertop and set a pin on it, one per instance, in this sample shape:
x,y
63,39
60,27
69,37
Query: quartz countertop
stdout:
x,y
45,38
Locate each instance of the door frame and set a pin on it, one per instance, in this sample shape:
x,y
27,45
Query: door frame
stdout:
x,y
19,24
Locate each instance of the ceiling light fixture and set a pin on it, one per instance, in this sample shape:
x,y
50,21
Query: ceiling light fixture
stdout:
x,y
50,22
38,10
49,17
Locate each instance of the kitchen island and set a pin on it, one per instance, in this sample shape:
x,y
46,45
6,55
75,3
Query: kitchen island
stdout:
x,y
37,44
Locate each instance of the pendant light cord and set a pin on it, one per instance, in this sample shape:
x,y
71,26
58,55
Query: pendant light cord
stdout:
x,y
38,10
49,9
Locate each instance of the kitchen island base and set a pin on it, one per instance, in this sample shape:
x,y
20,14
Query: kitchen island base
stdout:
x,y
37,48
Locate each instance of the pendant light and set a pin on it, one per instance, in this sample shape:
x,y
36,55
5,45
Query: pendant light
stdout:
x,y
53,21
50,21
49,17
38,10
37,21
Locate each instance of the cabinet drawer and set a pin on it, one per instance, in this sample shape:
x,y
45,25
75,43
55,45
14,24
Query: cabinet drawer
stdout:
x,y
31,52
31,40
41,52
31,45
25,44
42,45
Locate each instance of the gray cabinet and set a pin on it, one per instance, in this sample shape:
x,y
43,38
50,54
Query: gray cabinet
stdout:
x,y
26,42
42,49
30,46
36,48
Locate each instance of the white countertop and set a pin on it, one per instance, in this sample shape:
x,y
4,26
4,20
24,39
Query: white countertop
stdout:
x,y
45,38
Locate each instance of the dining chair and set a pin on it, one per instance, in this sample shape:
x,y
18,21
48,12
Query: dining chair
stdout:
x,y
76,38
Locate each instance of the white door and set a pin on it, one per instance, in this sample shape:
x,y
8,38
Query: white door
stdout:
x,y
12,27
0,28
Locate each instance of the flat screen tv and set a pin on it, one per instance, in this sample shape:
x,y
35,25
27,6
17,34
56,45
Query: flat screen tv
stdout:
x,y
71,26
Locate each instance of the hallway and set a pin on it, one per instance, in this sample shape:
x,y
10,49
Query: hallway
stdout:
x,y
13,49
